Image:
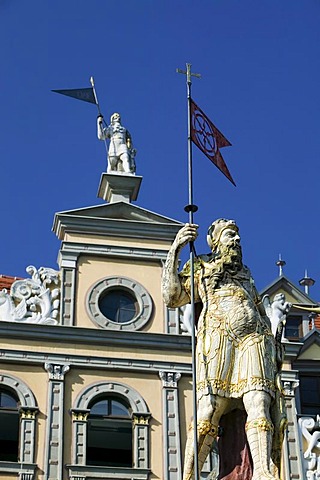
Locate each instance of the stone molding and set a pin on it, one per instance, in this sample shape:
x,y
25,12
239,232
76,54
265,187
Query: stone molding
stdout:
x,y
72,248
81,472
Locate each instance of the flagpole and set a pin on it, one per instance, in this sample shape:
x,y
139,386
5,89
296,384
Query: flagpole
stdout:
x,y
99,111
191,209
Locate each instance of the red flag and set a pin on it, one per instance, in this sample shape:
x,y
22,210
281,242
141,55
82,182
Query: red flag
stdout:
x,y
209,139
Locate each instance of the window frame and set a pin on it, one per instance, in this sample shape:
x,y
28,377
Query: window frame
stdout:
x,y
134,288
25,466
140,416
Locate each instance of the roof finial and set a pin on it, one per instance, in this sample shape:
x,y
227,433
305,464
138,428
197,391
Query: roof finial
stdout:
x,y
280,263
306,282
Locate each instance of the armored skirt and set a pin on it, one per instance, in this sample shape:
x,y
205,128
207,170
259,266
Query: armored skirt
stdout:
x,y
235,345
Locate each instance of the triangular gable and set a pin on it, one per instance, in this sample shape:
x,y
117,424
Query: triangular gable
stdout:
x,y
120,211
311,347
293,293
118,219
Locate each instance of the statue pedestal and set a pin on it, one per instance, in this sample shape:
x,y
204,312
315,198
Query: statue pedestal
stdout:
x,y
119,187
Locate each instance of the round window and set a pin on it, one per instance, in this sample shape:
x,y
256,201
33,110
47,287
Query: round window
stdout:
x,y
119,303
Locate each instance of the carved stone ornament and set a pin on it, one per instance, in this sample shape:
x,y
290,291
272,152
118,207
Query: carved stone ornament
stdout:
x,y
170,379
310,430
289,388
56,372
32,300
28,413
80,416
140,419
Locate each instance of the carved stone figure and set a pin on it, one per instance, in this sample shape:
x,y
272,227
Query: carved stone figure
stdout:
x,y
32,300
277,311
121,154
236,350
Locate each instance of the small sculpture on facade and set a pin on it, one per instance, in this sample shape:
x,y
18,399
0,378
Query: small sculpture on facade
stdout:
x,y
121,154
32,300
236,350
277,312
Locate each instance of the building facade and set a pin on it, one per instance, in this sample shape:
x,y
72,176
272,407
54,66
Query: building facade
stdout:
x,y
95,371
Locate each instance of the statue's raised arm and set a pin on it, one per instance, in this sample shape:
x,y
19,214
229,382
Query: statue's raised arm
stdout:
x,y
172,290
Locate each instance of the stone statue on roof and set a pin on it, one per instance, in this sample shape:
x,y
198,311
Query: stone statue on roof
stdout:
x,y
121,154
238,358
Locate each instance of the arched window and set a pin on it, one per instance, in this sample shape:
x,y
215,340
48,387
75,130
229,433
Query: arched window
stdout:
x,y
110,430
109,440
9,421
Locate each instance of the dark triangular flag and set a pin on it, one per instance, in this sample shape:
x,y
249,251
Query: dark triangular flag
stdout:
x,y
85,94
209,139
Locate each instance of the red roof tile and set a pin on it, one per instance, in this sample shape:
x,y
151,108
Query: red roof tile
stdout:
x,y
6,281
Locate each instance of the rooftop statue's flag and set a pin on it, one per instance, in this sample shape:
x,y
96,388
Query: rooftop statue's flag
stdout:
x,y
85,94
209,139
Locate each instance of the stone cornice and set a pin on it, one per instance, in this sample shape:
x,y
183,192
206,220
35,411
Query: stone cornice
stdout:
x,y
91,337
68,223
93,361
83,248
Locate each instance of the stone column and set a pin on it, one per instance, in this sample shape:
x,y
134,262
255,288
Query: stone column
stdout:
x,y
54,427
171,427
68,265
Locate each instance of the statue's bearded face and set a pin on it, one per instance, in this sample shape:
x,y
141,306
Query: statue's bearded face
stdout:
x,y
229,250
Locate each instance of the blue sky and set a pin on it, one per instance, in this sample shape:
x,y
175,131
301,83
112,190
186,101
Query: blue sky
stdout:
x,y
260,66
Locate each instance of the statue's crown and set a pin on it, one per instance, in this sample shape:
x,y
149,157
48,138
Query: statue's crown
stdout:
x,y
216,228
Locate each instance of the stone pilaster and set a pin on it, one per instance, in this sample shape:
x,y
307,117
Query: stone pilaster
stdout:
x,y
27,434
54,428
68,265
141,440
292,451
171,427
79,435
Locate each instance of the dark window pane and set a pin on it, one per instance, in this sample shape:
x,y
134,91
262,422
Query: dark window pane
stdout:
x,y
310,394
293,328
7,400
109,441
120,306
100,408
118,409
9,431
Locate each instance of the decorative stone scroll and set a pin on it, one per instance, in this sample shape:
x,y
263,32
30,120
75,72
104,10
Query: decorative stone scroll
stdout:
x,y
310,430
32,300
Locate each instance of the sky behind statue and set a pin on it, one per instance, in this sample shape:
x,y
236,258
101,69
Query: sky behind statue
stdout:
x,y
260,67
